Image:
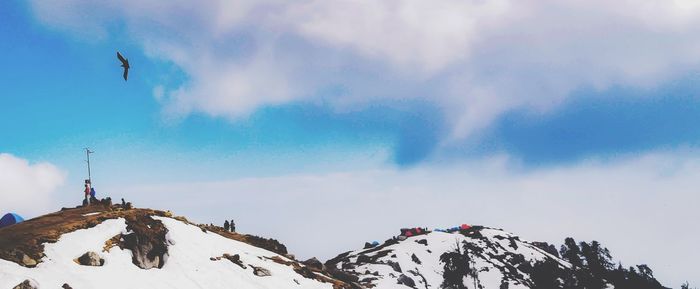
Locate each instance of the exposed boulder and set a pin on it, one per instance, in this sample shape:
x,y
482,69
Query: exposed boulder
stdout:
x,y
422,241
235,259
415,259
261,272
90,259
66,286
28,261
405,280
25,285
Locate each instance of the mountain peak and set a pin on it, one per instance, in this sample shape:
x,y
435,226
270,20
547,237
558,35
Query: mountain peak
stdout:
x,y
138,248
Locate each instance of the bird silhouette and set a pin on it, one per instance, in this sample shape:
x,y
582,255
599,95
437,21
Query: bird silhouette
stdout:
x,y
125,64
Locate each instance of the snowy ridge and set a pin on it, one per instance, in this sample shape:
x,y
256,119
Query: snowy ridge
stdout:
x,y
116,246
499,260
188,263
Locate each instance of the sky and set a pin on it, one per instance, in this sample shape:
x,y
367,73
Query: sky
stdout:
x,y
347,120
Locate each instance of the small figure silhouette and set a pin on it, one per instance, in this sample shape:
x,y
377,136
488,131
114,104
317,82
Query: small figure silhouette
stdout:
x,y
125,64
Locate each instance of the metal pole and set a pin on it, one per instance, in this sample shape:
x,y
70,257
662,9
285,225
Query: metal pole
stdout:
x,y
88,152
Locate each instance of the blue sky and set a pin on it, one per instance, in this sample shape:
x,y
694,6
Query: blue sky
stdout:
x,y
283,95
46,95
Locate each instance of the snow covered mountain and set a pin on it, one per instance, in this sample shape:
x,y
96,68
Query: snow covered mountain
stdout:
x,y
117,246
499,257
480,257
112,247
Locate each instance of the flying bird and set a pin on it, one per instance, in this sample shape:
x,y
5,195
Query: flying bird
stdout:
x,y
125,64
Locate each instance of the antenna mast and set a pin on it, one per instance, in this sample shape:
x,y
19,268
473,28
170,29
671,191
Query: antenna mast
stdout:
x,y
87,153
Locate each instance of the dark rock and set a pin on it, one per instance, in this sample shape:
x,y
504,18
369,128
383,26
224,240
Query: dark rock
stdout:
x,y
235,259
267,244
261,272
90,259
106,202
368,279
305,272
422,241
363,259
405,280
25,285
342,275
66,286
415,259
314,263
394,266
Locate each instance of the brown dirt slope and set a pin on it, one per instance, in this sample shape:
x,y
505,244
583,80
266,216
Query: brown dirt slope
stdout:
x,y
26,239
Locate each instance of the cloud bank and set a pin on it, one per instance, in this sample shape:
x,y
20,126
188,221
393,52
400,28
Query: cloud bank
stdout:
x,y
27,188
475,60
629,204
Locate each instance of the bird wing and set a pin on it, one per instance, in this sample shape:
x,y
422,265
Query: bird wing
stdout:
x,y
121,58
126,73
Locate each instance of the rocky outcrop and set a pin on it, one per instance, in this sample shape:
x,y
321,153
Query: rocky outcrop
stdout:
x,y
25,285
146,241
261,272
90,259
267,244
343,275
314,264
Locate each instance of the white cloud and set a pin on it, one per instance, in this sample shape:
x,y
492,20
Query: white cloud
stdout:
x,y
475,59
413,34
27,188
629,204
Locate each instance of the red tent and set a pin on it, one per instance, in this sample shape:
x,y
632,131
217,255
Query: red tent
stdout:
x,y
465,227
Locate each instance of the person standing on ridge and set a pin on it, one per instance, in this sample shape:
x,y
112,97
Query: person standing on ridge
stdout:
x,y
87,192
226,226
233,226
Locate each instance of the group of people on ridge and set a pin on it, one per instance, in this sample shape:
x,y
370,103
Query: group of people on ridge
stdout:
x,y
230,226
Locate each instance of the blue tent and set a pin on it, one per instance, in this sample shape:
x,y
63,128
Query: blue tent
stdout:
x,y
10,219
